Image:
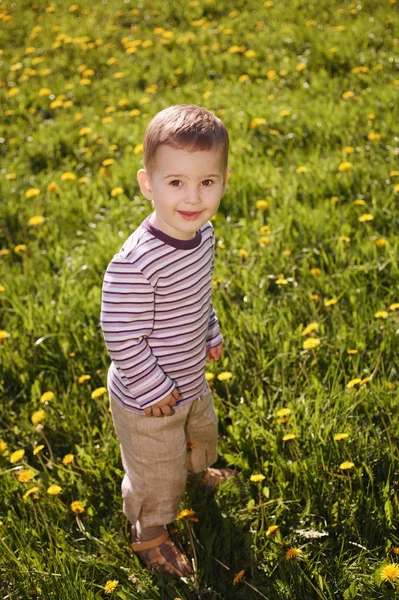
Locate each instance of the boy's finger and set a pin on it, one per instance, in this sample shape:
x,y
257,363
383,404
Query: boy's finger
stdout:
x,y
166,409
148,411
156,411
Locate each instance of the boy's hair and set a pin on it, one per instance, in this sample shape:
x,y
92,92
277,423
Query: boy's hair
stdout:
x,y
185,126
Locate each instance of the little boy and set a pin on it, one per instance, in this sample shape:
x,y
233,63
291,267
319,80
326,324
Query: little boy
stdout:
x,y
160,327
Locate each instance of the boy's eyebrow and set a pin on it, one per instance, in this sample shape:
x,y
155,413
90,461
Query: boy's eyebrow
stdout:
x,y
180,175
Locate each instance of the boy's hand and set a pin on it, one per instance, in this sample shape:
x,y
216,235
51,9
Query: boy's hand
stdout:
x,y
214,352
164,406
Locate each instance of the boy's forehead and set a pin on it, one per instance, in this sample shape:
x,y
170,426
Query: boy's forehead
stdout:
x,y
168,158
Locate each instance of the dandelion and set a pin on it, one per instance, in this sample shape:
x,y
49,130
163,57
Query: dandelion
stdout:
x,y
256,122
310,343
26,475
32,192
19,248
352,351
38,449
395,550
34,221
394,306
265,229
16,456
243,253
346,465
3,335
68,459
117,191
330,302
390,572
238,576
381,314
111,585
288,437
262,205
292,553
353,382
138,149
68,176
301,169
54,490
341,436
257,478
3,447
345,166
315,271
283,412
225,376
97,393
37,417
310,328
348,149
264,241
30,491
209,376
366,217
4,252
46,397
373,136
381,242
77,507
345,239
52,187
186,515
271,529
84,378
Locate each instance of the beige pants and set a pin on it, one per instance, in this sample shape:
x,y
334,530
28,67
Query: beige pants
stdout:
x,y
156,459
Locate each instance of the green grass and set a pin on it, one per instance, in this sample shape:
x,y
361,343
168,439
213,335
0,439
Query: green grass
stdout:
x,y
50,303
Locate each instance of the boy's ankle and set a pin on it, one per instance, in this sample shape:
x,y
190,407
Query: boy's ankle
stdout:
x,y
144,534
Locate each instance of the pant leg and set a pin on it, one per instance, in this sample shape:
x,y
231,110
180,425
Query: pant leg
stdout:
x,y
153,451
201,433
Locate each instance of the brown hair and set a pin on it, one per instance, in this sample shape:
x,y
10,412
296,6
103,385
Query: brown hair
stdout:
x,y
185,126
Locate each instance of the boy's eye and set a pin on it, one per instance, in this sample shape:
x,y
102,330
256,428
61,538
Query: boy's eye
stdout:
x,y
210,181
173,182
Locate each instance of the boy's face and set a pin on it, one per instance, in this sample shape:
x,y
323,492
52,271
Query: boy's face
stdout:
x,y
186,188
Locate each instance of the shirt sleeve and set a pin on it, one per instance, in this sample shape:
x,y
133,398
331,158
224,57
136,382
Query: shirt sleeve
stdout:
x,y
213,336
127,319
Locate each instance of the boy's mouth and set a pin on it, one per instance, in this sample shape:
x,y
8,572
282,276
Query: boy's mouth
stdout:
x,y
190,215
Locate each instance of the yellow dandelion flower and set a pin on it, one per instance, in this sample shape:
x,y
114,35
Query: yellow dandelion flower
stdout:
x,y
381,314
108,162
396,188
25,475
330,302
359,202
341,436
68,459
344,238
301,169
4,252
225,376
186,513
2,288
271,529
346,465
111,585
54,490
16,456
238,576
30,491
292,553
209,376
243,253
32,192
345,166
37,417
3,335
256,122
348,149
3,447
288,437
46,397
366,217
381,242
394,306
77,507
19,248
310,343
365,380
262,205
138,149
257,478
34,221
391,173
98,392
315,271
310,328
37,449
264,241
68,176
373,136
353,382
283,412
265,229
352,351
84,378
395,550
117,191
390,572
52,187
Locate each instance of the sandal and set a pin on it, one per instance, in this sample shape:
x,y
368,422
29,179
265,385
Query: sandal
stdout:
x,y
213,477
161,552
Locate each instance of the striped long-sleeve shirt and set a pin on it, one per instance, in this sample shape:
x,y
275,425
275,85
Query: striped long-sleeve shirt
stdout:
x,y
157,316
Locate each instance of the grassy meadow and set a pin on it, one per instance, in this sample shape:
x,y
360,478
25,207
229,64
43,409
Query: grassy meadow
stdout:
x,y
305,288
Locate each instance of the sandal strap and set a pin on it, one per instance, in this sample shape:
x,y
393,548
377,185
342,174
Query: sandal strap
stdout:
x,y
149,544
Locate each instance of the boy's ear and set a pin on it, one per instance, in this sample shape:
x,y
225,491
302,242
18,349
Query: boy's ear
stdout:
x,y
226,176
144,183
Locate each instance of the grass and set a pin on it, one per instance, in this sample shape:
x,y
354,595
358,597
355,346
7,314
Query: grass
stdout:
x,y
318,114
